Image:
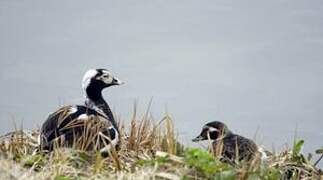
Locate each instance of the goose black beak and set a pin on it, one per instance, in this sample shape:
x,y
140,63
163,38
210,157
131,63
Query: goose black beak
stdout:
x,y
117,81
198,138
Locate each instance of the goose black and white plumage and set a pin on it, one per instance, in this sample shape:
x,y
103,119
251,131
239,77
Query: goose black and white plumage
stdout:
x,y
231,148
90,126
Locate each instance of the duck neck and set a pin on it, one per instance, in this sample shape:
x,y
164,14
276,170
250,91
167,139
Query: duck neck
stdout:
x,y
228,133
95,98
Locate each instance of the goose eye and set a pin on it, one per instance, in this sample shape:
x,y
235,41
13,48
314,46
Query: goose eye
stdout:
x,y
105,76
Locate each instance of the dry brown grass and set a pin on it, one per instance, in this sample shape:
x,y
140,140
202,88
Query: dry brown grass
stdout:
x,y
141,142
148,150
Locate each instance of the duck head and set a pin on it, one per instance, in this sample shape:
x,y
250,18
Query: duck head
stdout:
x,y
213,131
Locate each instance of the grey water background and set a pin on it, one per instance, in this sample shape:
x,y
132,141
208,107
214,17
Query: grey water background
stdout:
x,y
255,65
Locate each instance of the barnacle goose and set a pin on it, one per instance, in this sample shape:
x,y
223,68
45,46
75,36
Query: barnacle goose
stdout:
x,y
88,126
230,147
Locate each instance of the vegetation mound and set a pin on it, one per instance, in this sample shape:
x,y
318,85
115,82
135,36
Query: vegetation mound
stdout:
x,y
148,150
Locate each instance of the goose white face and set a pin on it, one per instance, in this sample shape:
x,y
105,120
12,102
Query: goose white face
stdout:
x,y
100,75
105,76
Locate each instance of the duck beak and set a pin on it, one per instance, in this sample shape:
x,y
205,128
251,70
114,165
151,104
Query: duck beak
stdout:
x,y
198,138
117,81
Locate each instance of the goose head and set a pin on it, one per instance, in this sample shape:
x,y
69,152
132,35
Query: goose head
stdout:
x,y
95,80
213,131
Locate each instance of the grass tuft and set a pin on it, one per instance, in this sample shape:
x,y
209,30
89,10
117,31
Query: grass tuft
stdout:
x,y
149,149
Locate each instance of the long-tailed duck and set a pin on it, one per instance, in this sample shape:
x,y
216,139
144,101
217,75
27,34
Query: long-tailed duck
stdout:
x,y
230,147
88,126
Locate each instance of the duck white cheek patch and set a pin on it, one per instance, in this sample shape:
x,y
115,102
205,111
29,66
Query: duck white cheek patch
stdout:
x,y
212,129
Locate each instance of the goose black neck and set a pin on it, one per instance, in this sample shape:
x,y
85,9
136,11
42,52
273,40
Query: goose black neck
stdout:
x,y
94,93
103,105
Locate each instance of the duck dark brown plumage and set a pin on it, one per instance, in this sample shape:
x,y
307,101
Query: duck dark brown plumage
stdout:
x,y
230,147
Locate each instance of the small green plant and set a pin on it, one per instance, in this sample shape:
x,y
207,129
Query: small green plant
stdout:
x,y
152,162
34,161
63,177
79,159
319,151
207,165
148,150
296,153
265,173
